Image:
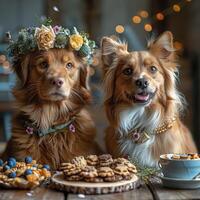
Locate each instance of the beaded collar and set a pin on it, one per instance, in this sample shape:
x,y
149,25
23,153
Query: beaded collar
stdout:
x,y
142,137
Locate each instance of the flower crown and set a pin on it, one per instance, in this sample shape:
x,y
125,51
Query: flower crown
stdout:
x,y
48,37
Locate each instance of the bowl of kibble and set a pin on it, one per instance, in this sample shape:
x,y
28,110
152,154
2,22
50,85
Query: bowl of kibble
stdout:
x,y
180,166
24,174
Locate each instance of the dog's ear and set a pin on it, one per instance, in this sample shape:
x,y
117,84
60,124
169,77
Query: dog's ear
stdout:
x,y
84,76
21,68
110,48
163,46
84,83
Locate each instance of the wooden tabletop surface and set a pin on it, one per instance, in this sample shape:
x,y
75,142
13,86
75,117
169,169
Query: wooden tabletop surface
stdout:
x,y
145,191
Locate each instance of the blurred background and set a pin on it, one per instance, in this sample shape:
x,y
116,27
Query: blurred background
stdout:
x,y
131,20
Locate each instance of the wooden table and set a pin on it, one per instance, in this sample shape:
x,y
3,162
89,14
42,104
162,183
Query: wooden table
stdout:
x,y
145,191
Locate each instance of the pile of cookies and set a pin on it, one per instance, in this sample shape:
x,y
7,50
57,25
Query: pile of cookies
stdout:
x,y
187,156
22,175
97,169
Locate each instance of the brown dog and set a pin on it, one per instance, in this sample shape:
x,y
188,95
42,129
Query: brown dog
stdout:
x,y
51,92
142,103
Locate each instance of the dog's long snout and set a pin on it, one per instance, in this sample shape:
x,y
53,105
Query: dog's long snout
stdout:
x,y
58,82
141,83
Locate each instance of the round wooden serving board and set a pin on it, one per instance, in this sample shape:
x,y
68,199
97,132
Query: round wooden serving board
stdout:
x,y
80,187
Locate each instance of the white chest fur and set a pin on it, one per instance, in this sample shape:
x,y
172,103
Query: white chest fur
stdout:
x,y
139,119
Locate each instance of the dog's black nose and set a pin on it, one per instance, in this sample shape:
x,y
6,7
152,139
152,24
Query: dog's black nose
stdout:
x,y
142,83
57,82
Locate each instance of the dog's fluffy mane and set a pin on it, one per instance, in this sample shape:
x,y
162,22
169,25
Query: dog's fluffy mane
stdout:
x,y
176,99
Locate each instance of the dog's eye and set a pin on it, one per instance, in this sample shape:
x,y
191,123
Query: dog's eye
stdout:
x,y
153,69
128,71
44,65
69,65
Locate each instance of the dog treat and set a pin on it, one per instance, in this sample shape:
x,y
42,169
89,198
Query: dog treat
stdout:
x,y
105,160
114,178
185,156
89,172
72,171
94,180
175,156
98,169
131,167
92,160
80,162
121,170
121,161
128,177
74,178
194,156
105,172
22,175
67,166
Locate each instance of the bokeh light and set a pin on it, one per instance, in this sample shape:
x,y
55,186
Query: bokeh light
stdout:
x,y
136,19
178,45
91,71
176,8
144,13
2,58
6,64
119,29
95,61
160,16
148,27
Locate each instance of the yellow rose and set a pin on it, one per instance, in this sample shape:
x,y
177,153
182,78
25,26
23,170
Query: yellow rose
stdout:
x,y
76,41
45,37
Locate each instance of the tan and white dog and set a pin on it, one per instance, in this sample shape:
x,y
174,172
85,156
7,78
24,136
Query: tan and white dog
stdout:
x,y
142,103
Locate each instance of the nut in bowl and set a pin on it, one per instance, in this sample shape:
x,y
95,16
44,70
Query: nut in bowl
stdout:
x,y
180,166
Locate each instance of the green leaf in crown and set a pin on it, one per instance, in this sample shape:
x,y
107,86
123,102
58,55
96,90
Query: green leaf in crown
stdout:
x,y
84,50
61,40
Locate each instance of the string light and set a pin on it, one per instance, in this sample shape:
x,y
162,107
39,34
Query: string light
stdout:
x,y
176,8
148,27
119,29
136,19
160,16
144,13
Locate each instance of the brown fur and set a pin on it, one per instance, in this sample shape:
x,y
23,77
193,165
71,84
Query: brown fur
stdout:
x,y
167,101
35,100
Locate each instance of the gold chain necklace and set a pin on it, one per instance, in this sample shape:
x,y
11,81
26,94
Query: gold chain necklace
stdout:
x,y
165,126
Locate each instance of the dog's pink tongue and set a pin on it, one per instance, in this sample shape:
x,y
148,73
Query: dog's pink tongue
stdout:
x,y
142,97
